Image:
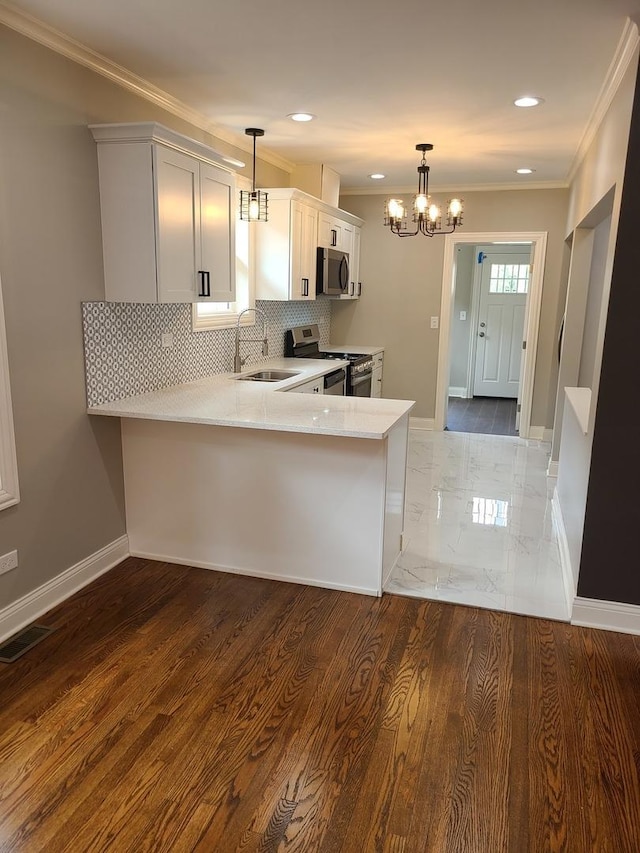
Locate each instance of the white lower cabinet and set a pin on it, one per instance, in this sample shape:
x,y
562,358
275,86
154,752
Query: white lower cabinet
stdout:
x,y
376,378
315,386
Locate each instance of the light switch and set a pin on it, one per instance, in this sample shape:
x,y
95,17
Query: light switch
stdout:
x,y
463,315
167,339
434,322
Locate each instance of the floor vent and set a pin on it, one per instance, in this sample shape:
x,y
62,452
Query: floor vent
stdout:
x,y
20,643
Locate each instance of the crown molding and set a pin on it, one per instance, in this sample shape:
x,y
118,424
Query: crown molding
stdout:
x,y
625,52
59,42
458,190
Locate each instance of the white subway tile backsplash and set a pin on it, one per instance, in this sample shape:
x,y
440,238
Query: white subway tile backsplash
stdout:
x,y
124,353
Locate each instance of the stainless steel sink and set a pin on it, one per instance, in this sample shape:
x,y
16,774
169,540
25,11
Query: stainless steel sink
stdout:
x,y
269,375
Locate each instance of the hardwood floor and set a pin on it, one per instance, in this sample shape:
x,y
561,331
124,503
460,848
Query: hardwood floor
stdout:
x,y
178,709
489,415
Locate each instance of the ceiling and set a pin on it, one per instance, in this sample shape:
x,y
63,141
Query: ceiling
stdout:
x,y
379,76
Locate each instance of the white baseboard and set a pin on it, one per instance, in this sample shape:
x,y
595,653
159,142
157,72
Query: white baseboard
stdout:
x,y
458,391
540,433
606,615
565,557
254,573
421,423
32,605
552,469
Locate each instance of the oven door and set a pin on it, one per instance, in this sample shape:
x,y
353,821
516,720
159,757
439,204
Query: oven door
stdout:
x,y
360,385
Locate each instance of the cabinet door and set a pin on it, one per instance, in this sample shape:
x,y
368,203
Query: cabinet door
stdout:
x,y
329,232
178,226
376,382
346,238
316,386
217,212
355,286
304,227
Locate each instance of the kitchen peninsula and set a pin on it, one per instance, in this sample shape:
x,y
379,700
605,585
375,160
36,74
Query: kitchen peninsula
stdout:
x,y
231,474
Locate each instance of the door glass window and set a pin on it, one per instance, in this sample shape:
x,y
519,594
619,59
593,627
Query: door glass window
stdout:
x,y
509,278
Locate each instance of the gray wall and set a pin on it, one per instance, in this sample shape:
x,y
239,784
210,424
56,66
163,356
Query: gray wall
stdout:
x,y
69,465
402,282
598,470
609,561
595,304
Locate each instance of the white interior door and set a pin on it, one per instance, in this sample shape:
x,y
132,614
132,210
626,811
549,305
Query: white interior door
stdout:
x,y
503,299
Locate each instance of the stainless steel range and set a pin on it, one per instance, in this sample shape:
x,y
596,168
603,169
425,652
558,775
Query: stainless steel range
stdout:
x,y
304,342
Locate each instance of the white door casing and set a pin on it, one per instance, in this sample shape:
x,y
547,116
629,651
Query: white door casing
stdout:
x,y
9,492
504,285
538,239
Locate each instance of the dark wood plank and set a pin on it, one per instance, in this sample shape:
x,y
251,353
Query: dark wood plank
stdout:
x,y
176,709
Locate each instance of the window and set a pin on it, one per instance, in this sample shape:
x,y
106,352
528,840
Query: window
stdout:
x,y
9,493
224,315
509,278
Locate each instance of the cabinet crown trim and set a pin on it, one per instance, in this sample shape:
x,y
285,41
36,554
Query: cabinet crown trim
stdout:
x,y
150,131
295,194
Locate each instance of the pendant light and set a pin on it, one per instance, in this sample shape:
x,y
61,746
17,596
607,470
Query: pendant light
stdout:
x,y
253,205
426,214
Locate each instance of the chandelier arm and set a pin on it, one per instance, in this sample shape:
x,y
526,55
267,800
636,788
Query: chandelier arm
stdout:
x,y
395,229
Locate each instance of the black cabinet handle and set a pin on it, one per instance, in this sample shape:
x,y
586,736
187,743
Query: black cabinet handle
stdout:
x,y
334,237
359,288
305,286
205,283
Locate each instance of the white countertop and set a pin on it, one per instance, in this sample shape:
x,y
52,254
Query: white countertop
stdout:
x,y
223,400
356,350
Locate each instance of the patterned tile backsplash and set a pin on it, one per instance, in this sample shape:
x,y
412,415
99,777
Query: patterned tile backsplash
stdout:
x,y
124,355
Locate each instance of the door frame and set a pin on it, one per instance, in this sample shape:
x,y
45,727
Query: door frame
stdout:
x,y
9,490
538,240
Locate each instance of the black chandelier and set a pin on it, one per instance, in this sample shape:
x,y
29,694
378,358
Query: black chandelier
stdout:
x,y
253,205
426,214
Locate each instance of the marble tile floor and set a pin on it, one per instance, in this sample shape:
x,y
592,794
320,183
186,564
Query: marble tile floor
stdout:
x,y
478,526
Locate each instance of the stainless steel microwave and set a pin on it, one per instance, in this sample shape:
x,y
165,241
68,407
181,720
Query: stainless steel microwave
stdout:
x,y
332,274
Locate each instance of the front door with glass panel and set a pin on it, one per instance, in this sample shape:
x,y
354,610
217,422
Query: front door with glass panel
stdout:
x,y
503,300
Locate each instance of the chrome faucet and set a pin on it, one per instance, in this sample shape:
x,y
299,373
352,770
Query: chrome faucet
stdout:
x,y
237,360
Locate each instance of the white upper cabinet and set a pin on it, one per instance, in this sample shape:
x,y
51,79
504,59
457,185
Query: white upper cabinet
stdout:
x,y
335,233
168,217
355,285
285,248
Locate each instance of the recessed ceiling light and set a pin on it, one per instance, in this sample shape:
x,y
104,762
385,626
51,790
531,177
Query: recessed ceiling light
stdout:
x,y
301,116
526,171
377,176
528,101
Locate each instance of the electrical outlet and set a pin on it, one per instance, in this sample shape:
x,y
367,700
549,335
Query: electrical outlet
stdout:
x,y
434,322
463,315
8,562
167,339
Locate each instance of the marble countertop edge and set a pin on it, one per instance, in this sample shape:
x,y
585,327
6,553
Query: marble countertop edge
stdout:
x,y
223,400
